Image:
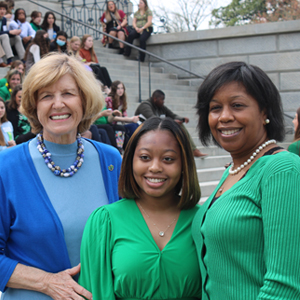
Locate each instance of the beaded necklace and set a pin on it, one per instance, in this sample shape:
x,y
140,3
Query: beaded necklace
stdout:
x,y
57,171
249,160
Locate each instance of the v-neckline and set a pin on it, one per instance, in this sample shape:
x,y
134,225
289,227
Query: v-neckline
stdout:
x,y
149,231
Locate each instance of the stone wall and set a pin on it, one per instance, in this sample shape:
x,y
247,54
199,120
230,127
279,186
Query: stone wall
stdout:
x,y
274,47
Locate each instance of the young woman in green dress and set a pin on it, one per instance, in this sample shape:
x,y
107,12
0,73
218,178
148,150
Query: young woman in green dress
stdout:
x,y
295,146
142,246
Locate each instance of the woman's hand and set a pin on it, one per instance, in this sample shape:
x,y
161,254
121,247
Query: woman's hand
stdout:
x,y
134,119
119,27
61,285
105,113
11,143
139,30
58,286
117,113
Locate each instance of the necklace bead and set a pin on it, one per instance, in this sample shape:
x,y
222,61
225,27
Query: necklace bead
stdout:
x,y
50,163
249,160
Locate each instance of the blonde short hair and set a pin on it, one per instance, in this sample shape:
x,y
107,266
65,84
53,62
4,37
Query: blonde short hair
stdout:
x,y
47,72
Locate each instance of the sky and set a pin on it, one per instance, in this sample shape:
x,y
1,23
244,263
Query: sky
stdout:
x,y
172,3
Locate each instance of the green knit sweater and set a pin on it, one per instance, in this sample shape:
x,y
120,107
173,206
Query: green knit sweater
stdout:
x,y
248,240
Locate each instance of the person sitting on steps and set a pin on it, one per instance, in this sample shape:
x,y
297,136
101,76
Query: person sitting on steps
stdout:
x,y
114,22
155,107
27,32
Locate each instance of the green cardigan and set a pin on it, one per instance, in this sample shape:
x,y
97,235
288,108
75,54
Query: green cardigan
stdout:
x,y
3,82
295,147
248,240
4,93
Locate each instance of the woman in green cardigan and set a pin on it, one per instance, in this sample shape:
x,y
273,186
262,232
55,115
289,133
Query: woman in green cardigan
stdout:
x,y
14,78
247,233
295,146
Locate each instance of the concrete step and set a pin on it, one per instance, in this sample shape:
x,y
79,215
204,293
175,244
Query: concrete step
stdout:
x,y
175,84
212,161
3,72
210,174
134,72
208,187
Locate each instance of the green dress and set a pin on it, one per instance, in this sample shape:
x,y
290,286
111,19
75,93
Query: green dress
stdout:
x,y
120,260
295,147
248,239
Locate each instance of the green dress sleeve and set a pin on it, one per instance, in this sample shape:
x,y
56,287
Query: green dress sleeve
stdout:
x,y
101,120
95,256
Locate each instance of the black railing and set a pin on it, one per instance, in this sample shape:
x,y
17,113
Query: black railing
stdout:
x,y
85,25
90,13
87,13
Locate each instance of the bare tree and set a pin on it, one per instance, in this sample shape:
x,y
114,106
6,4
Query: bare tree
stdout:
x,y
186,15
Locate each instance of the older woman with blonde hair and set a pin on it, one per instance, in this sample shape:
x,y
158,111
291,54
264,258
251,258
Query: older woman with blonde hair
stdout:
x,y
61,178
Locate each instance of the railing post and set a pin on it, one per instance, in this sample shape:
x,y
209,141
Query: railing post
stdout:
x,y
140,84
62,17
150,79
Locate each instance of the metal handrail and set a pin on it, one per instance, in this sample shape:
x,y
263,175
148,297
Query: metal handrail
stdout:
x,y
124,42
288,116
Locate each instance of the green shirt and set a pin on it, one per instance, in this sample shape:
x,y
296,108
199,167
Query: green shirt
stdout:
x,y
3,82
295,147
141,20
102,120
248,240
4,93
35,27
120,259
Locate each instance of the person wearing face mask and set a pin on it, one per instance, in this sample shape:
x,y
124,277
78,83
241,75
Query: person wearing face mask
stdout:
x,y
60,43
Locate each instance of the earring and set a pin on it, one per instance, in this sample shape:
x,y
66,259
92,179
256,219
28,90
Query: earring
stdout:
x,y
267,121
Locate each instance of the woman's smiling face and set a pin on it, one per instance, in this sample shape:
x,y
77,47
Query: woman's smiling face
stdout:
x,y
157,166
235,119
